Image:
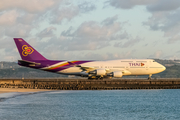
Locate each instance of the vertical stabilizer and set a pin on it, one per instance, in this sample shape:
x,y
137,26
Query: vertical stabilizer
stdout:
x,y
26,51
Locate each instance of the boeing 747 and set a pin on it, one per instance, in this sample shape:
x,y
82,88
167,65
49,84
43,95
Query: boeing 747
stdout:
x,y
91,69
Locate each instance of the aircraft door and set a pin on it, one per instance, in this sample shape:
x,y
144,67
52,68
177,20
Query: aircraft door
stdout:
x,y
147,65
127,67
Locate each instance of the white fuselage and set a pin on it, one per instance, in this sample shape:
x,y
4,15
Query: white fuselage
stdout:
x,y
126,66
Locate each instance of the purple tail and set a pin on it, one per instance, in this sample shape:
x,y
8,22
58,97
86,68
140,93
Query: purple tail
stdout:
x,y
26,51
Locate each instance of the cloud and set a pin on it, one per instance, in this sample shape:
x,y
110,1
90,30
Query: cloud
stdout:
x,y
128,43
86,7
164,15
88,36
8,18
64,13
18,30
167,22
110,20
151,5
119,55
16,23
68,32
171,57
120,36
128,4
67,11
93,29
27,18
157,54
47,32
97,56
19,18
70,11
7,43
165,18
93,35
41,24
8,50
174,38
164,5
31,6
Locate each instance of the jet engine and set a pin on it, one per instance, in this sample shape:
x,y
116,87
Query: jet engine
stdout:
x,y
117,74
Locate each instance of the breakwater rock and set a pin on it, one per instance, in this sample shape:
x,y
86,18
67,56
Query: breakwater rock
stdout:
x,y
84,84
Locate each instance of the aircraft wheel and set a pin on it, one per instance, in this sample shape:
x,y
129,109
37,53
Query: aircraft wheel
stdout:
x,y
89,78
92,78
101,78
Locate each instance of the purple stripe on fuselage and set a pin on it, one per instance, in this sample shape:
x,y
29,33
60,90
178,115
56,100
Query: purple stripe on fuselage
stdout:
x,y
81,62
68,66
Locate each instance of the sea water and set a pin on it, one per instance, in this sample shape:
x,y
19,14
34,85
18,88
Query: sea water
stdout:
x,y
92,105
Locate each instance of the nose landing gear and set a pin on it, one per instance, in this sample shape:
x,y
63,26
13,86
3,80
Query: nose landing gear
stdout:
x,y
149,78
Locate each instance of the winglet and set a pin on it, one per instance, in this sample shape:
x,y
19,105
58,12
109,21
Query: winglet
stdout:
x,y
26,51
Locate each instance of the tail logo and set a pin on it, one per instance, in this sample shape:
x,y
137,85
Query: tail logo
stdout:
x,y
26,50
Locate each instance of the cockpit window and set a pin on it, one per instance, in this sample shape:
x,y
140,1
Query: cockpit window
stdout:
x,y
154,61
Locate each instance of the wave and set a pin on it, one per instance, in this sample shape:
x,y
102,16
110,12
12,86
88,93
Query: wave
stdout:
x,y
4,96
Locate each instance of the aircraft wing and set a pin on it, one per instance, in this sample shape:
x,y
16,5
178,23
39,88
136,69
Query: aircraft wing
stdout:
x,y
28,63
86,68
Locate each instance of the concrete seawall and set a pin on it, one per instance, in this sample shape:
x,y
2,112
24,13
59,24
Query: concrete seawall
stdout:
x,y
84,84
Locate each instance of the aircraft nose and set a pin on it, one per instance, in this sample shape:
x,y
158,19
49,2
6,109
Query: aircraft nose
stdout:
x,y
163,68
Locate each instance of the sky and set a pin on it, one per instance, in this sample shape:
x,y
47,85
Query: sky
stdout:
x,y
91,29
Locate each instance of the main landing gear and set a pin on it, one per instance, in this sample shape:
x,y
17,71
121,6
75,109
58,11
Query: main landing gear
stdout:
x,y
95,78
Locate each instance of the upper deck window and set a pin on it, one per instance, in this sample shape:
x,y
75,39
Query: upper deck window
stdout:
x,y
126,61
118,67
141,61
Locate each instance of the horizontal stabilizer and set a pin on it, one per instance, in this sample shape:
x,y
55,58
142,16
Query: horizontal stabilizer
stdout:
x,y
27,63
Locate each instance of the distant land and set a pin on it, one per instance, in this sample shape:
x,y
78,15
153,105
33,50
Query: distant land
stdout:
x,y
13,70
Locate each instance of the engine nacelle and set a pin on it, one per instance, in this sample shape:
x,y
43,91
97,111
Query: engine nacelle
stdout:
x,y
99,72
84,74
117,74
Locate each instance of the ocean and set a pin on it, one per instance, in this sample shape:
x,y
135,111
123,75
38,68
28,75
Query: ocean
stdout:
x,y
92,105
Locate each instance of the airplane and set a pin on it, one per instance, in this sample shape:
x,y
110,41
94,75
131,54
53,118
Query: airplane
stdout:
x,y
91,69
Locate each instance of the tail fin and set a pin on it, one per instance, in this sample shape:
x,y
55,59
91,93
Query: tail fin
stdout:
x,y
26,51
